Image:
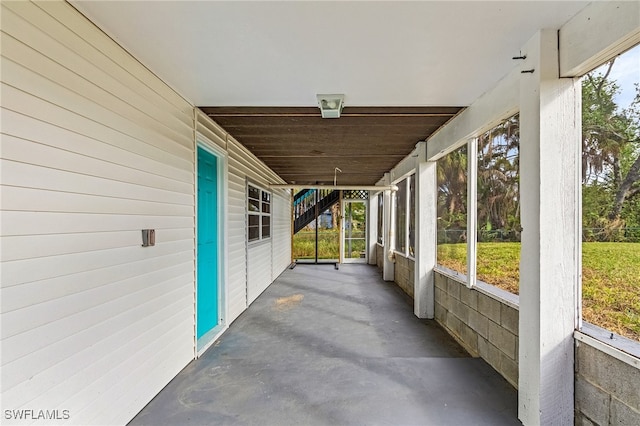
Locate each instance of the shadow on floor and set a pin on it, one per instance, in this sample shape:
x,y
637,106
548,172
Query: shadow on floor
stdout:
x,y
333,347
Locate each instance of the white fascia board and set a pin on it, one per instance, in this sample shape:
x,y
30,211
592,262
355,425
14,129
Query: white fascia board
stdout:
x,y
487,111
596,34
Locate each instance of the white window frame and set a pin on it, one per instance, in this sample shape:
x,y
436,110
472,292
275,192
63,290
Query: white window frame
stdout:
x,y
380,219
405,182
261,214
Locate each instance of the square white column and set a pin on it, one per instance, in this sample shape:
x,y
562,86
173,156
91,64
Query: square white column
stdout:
x,y
426,227
550,128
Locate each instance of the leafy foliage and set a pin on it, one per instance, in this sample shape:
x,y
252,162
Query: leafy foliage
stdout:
x,y
610,155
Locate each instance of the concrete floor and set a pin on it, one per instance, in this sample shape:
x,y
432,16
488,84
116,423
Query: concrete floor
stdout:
x,y
327,347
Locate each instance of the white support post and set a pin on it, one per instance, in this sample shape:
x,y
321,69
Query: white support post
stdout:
x,y
426,224
550,127
472,211
372,227
388,267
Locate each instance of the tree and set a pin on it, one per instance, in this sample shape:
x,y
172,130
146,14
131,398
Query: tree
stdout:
x,y
452,189
610,152
498,179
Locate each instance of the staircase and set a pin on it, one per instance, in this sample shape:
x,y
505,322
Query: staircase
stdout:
x,y
306,209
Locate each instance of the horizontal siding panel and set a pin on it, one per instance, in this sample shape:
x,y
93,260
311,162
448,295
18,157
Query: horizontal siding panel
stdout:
x,y
207,132
20,174
47,346
28,199
27,104
84,78
258,269
281,231
80,391
237,244
28,81
165,363
78,388
28,270
107,55
126,329
33,246
257,166
77,136
46,223
36,292
42,315
212,128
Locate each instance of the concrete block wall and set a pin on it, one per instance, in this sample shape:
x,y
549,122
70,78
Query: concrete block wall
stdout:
x,y
607,390
403,273
485,324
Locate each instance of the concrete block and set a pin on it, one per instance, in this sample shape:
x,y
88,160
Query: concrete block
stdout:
x,y
479,323
444,299
591,401
489,307
581,420
454,324
502,339
470,339
489,353
622,414
610,374
441,313
460,310
509,370
440,281
454,288
469,297
509,318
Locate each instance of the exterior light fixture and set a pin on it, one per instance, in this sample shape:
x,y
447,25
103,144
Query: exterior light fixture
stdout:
x,y
330,105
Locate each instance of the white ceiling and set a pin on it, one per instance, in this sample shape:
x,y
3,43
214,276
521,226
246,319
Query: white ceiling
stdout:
x,y
393,53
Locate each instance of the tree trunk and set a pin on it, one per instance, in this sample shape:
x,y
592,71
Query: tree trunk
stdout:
x,y
625,189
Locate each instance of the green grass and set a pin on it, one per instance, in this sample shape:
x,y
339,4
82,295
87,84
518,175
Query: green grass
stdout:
x,y
304,244
610,282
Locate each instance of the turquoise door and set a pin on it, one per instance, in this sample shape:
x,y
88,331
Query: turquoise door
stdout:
x,y
207,274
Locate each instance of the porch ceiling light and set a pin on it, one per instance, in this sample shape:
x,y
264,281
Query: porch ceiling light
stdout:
x,y
330,105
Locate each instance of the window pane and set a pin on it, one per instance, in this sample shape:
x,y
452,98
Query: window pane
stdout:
x,y
611,195
498,252
266,197
452,210
254,220
254,233
266,226
254,205
266,208
254,192
401,217
412,216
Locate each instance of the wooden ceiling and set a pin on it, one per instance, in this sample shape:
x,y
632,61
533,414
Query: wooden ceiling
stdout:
x,y
303,148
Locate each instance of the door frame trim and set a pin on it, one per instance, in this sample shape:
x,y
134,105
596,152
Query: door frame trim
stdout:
x,y
343,231
202,344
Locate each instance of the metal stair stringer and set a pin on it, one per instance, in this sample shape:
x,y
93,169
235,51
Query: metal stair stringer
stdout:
x,y
304,205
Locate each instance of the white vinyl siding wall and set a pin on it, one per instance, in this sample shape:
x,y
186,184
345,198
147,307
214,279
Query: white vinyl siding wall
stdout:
x,y
261,264
94,149
280,231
